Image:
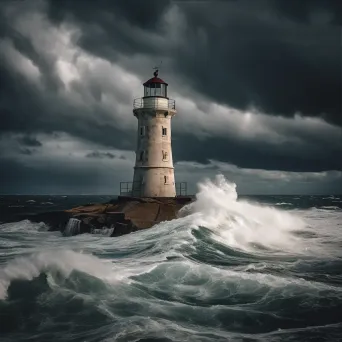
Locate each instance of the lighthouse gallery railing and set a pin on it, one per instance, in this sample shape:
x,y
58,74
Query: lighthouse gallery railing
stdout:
x,y
134,189
154,102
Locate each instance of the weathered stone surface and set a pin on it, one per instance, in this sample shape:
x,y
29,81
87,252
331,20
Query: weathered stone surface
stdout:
x,y
127,214
123,215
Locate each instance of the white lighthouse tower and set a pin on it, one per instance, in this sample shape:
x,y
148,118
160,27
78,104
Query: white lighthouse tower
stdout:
x,y
153,170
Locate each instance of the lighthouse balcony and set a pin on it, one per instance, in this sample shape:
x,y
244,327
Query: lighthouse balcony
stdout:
x,y
154,102
135,189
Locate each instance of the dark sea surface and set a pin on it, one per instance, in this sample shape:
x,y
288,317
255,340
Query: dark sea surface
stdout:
x,y
230,268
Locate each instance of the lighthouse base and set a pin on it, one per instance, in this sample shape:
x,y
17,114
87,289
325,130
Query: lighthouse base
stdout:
x,y
120,216
128,214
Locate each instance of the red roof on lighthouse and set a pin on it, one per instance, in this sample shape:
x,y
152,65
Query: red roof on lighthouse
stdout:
x,y
155,79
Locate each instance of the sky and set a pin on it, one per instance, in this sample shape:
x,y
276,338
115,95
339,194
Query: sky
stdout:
x,y
257,85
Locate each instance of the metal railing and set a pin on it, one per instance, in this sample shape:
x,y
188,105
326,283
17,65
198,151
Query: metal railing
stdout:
x,y
134,189
182,188
154,102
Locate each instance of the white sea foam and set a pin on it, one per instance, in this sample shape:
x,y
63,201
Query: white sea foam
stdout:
x,y
64,262
241,224
23,227
283,203
330,197
72,227
330,207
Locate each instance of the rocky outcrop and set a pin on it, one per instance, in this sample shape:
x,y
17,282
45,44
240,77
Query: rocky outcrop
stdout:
x,y
118,217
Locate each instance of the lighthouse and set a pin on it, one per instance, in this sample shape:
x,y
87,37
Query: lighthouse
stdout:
x,y
153,170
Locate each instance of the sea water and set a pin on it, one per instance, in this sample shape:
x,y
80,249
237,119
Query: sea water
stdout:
x,y
265,268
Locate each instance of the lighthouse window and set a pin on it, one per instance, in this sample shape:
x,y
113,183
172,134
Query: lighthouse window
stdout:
x,y
158,89
166,180
165,156
142,130
141,156
164,131
163,90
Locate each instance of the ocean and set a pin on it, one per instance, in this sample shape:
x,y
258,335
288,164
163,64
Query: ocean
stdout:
x,y
230,268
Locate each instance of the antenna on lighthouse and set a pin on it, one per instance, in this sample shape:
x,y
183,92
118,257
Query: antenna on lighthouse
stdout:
x,y
156,68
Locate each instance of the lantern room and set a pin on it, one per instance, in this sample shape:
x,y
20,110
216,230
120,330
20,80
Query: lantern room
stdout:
x,y
155,87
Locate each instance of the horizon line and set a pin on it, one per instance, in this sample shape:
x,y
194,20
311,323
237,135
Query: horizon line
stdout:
x,y
251,194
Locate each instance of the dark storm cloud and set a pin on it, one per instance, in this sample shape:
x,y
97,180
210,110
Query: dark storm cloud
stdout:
x,y
263,53
229,52
24,109
247,155
280,56
29,141
250,57
24,46
104,24
99,155
144,14
301,10
26,151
